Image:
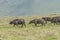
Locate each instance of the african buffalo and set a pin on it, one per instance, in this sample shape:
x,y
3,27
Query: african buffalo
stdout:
x,y
37,21
55,20
18,22
47,19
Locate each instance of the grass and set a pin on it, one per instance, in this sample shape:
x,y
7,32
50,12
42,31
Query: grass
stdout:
x,y
30,32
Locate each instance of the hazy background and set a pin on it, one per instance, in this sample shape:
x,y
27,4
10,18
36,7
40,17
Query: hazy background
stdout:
x,y
28,7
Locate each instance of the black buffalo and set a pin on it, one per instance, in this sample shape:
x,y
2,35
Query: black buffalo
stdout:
x,y
55,20
47,19
37,21
18,22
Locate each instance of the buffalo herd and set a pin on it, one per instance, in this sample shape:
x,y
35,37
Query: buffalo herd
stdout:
x,y
42,21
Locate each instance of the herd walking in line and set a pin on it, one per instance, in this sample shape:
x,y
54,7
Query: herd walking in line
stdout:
x,y
42,21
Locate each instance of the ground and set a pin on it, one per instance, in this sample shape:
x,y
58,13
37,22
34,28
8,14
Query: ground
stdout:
x,y
30,32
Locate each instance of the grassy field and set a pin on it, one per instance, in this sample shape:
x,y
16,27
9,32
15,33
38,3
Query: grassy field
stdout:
x,y
30,32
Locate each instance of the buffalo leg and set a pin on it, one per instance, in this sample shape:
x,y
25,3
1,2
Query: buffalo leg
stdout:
x,y
14,25
35,24
25,25
22,25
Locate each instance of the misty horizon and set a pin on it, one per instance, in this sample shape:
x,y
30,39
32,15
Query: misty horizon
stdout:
x,y
28,7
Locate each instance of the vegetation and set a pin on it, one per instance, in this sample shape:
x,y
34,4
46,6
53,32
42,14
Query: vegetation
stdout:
x,y
30,32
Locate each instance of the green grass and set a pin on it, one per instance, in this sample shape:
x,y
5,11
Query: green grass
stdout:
x,y
30,32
